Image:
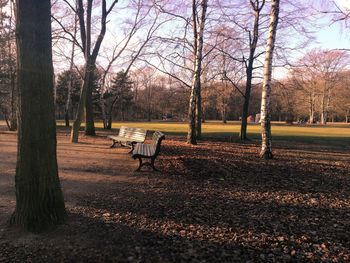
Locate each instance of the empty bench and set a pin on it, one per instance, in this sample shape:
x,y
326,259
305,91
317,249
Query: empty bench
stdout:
x,y
128,137
149,151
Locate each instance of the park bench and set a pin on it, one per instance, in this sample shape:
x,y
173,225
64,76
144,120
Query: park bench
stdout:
x,y
149,151
128,137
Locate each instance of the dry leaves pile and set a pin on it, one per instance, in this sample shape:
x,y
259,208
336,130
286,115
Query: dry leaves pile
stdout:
x,y
214,202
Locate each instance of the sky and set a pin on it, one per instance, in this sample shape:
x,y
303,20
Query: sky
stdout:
x,y
334,36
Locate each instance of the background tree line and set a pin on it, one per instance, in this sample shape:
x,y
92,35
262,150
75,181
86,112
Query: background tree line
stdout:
x,y
144,69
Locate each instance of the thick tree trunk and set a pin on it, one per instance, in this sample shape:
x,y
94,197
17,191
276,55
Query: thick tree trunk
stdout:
x,y
39,199
266,151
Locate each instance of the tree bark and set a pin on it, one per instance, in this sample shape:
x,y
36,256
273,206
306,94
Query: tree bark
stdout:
x,y
14,91
90,60
89,113
14,95
311,109
80,110
199,113
39,199
70,81
266,151
323,109
194,112
253,41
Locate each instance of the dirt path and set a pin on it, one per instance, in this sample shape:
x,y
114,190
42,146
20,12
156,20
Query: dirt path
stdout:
x,y
84,168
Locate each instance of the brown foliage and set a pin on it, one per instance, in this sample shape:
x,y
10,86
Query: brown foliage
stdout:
x,y
216,201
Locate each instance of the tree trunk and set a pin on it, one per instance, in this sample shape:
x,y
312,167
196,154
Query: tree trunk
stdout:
x,y
195,89
191,134
347,117
70,82
13,113
80,110
39,199
69,93
249,68
199,114
103,108
90,60
89,112
311,109
323,109
224,112
243,133
14,90
109,122
266,151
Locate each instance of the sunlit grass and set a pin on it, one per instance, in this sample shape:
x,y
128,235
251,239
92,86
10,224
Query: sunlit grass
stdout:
x,y
334,134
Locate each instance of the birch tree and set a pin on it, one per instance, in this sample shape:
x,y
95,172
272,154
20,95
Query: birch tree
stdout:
x,y
266,151
194,112
39,199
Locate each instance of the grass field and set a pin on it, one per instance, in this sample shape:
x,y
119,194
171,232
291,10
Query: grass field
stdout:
x,y
331,134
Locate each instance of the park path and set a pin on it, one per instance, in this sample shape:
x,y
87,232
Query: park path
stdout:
x,y
84,167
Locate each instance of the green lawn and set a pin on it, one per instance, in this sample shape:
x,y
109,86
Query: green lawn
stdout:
x,y
331,134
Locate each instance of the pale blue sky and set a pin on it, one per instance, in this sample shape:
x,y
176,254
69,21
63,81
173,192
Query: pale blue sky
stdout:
x,y
333,37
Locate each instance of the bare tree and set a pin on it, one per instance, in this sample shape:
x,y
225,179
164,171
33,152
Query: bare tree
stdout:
x,y
317,75
194,112
266,151
90,55
146,22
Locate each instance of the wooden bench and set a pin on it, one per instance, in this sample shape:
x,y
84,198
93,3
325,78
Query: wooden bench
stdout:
x,y
150,151
128,137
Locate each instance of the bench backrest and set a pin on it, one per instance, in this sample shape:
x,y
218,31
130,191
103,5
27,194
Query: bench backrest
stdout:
x,y
134,134
156,141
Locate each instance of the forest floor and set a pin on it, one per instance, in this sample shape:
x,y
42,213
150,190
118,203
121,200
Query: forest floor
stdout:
x,y
213,202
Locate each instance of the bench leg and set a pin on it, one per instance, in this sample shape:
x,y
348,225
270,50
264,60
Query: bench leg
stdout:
x,y
152,164
140,165
114,142
132,148
146,163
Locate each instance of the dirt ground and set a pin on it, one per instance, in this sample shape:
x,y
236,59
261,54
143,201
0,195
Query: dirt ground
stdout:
x,y
214,202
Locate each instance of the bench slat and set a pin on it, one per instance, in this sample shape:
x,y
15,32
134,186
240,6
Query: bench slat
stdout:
x,y
129,136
